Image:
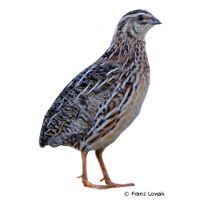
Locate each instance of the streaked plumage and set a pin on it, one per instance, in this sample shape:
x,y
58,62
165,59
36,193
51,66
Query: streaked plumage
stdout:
x,y
103,100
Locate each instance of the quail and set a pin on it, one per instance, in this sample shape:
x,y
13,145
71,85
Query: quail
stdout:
x,y
104,99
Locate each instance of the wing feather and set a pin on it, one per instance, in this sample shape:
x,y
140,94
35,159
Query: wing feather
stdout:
x,y
76,109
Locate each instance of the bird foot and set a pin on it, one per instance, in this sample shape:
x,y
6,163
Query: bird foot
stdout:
x,y
116,185
87,183
109,184
112,184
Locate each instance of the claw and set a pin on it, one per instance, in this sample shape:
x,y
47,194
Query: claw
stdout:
x,y
86,183
103,179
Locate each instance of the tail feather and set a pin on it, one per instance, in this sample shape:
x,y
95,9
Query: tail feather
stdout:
x,y
46,139
42,143
43,140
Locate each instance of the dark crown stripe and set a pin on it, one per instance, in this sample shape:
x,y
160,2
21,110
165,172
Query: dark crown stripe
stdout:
x,y
136,12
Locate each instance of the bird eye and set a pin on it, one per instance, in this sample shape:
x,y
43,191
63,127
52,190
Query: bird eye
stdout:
x,y
140,17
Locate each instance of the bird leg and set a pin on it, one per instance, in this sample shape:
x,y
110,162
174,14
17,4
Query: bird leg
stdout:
x,y
84,177
106,177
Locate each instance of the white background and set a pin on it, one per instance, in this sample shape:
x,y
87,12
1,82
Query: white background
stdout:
x,y
43,45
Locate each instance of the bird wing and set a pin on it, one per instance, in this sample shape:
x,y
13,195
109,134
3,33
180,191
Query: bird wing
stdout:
x,y
83,106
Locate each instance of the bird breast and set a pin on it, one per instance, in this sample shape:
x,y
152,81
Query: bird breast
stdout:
x,y
130,111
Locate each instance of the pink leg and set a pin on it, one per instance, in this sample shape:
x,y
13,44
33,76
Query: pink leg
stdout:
x,y
106,177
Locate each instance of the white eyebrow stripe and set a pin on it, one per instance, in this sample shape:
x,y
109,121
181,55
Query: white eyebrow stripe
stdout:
x,y
135,15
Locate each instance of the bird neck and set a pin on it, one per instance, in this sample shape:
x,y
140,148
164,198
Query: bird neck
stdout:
x,y
122,48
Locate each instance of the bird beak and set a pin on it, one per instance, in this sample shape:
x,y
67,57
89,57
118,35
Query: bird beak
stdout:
x,y
154,21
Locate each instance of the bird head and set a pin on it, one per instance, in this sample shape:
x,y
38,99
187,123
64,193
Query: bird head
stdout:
x,y
137,23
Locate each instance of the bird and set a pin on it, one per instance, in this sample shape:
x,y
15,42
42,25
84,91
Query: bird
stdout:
x,y
105,98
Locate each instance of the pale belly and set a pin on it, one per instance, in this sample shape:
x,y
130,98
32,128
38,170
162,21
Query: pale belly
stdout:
x,y
130,112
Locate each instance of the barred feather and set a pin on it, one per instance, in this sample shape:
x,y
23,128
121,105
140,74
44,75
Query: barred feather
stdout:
x,y
103,100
